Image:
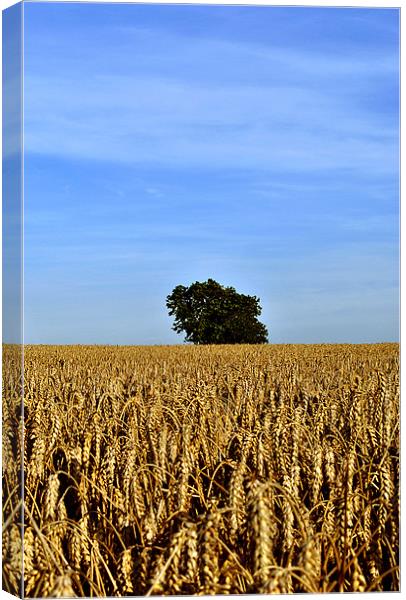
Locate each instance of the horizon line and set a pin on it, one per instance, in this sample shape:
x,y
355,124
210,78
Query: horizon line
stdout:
x,y
191,344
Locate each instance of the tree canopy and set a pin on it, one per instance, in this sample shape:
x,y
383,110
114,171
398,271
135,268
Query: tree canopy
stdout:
x,y
210,313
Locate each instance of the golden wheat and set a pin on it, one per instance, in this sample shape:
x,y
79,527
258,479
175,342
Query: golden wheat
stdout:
x,y
201,470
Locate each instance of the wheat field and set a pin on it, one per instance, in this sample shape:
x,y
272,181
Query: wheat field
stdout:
x,y
202,469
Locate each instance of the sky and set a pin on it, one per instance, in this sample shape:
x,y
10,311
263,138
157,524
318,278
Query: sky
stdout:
x,y
11,176
163,145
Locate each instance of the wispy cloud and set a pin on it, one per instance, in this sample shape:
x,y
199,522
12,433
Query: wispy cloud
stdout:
x,y
297,111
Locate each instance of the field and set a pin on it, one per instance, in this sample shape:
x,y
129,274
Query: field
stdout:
x,y
203,470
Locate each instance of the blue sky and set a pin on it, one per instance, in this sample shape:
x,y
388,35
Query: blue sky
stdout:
x,y
11,181
168,144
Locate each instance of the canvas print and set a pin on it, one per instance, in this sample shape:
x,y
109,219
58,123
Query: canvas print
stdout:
x,y
200,299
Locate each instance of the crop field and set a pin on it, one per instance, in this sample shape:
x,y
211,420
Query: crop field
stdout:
x,y
202,469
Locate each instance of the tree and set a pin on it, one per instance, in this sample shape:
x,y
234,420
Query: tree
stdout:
x,y
210,313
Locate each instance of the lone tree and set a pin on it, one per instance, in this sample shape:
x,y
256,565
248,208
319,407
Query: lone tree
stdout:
x,y
210,313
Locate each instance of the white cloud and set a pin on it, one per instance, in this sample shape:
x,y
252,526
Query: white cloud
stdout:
x,y
199,103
